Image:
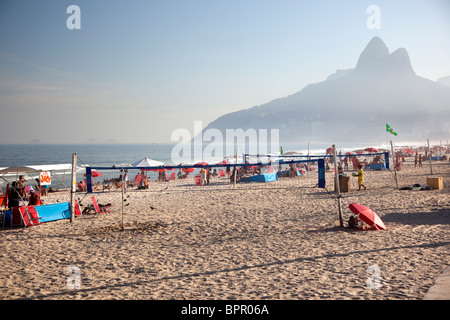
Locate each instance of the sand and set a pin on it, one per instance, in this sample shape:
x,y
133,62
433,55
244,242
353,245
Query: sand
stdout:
x,y
274,241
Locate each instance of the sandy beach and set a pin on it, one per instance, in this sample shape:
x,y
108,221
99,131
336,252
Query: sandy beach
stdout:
x,y
275,240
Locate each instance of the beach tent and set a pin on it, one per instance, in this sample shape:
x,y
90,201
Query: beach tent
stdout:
x,y
146,162
17,170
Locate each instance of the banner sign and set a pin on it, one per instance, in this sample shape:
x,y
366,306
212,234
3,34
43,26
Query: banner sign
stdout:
x,y
45,178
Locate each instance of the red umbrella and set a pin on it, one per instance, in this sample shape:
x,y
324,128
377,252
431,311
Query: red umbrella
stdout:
x,y
201,164
367,215
348,153
94,174
222,162
188,169
371,149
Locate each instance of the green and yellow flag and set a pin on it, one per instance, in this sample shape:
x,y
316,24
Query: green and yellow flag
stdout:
x,y
281,150
390,130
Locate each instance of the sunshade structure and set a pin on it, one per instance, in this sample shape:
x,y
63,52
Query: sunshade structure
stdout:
x,y
146,162
367,215
17,170
371,149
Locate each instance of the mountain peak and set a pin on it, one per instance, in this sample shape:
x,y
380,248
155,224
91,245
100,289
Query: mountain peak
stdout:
x,y
376,60
375,51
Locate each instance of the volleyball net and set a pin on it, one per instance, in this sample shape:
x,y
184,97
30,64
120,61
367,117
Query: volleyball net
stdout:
x,y
112,178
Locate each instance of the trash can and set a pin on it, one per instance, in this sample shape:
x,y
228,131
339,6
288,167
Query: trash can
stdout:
x,y
344,184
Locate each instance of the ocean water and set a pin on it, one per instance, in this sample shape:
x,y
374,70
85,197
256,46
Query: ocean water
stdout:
x,y
89,154
108,155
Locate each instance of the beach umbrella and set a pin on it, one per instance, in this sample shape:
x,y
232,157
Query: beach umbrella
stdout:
x,y
94,174
371,149
222,162
349,153
146,162
188,169
367,215
201,163
251,167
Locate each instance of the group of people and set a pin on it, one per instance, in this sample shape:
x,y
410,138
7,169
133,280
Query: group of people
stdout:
x,y
418,159
17,193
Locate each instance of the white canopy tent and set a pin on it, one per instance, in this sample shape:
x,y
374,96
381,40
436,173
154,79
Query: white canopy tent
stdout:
x,y
146,162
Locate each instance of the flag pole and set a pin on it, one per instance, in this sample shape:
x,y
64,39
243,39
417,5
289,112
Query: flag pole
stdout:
x,y
395,165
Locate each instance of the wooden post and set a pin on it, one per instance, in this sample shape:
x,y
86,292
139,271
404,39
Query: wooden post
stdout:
x,y
73,187
123,187
235,168
338,190
429,155
395,164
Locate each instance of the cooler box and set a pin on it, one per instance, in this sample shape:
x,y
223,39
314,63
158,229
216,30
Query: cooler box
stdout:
x,y
198,180
436,183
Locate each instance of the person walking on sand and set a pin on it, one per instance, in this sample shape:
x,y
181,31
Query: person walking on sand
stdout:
x,y
420,160
360,176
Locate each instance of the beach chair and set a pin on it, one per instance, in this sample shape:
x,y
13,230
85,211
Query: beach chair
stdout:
x,y
77,209
29,216
222,173
137,181
97,207
171,177
28,189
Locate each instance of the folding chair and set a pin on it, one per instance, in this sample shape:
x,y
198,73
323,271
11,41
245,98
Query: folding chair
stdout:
x,y
77,209
97,208
28,189
29,216
221,173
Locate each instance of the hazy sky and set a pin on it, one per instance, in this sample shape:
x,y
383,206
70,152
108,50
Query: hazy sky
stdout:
x,y
138,70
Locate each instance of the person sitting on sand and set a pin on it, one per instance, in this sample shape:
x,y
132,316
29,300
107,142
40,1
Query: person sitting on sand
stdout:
x,y
35,199
360,176
81,187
